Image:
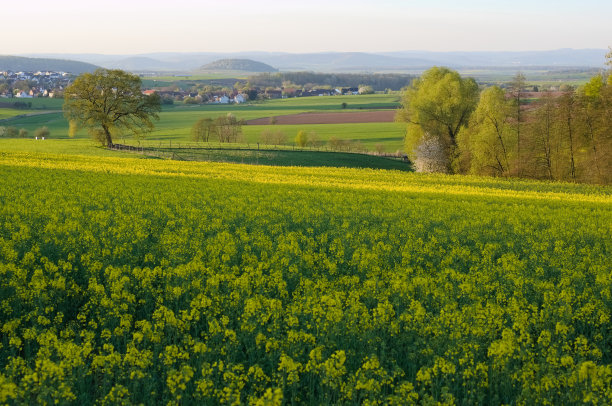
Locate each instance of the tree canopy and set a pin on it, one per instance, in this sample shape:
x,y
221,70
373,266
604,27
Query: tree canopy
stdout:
x,y
438,105
487,140
108,102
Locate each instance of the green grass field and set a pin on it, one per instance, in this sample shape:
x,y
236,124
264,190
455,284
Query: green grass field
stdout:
x,y
176,121
9,112
38,103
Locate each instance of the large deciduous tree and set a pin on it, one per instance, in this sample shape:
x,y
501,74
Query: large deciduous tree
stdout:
x,y
436,106
488,138
109,101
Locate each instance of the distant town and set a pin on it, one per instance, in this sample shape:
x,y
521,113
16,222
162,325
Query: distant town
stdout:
x,y
26,85
239,94
34,84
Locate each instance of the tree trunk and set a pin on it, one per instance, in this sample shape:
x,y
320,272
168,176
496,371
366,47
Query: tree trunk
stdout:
x,y
571,146
109,140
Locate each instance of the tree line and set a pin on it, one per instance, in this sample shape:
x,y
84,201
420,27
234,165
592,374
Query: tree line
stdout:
x,y
378,81
454,127
14,132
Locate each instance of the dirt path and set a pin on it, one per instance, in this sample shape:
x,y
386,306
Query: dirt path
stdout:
x,y
382,116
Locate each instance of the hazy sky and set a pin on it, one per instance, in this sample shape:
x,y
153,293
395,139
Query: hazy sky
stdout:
x,y
135,26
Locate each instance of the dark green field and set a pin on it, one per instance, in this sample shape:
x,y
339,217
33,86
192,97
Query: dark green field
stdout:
x,y
279,157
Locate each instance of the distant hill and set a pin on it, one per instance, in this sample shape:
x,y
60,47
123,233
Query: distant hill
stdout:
x,y
242,65
19,63
401,61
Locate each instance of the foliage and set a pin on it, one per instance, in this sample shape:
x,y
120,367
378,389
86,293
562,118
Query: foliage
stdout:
x,y
488,139
110,101
163,282
273,137
301,139
313,139
228,128
569,136
203,129
561,136
42,132
439,103
378,81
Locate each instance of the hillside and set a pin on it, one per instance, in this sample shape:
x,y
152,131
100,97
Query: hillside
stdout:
x,y
242,65
19,63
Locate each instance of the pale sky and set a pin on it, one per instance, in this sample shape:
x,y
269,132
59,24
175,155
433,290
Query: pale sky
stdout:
x,y
297,26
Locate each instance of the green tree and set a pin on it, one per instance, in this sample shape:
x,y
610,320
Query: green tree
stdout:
x,y
110,101
11,132
23,133
203,129
594,126
228,128
301,139
313,139
487,138
545,140
42,132
437,106
567,112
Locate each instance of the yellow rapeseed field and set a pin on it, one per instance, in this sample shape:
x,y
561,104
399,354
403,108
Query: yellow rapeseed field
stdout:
x,y
133,281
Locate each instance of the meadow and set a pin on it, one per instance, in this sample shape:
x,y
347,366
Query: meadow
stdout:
x,y
170,282
176,121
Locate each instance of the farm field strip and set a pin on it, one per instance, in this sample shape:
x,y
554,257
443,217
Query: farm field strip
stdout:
x,y
302,176
381,116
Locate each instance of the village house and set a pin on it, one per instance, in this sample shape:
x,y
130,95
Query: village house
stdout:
x,y
23,95
221,99
240,98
